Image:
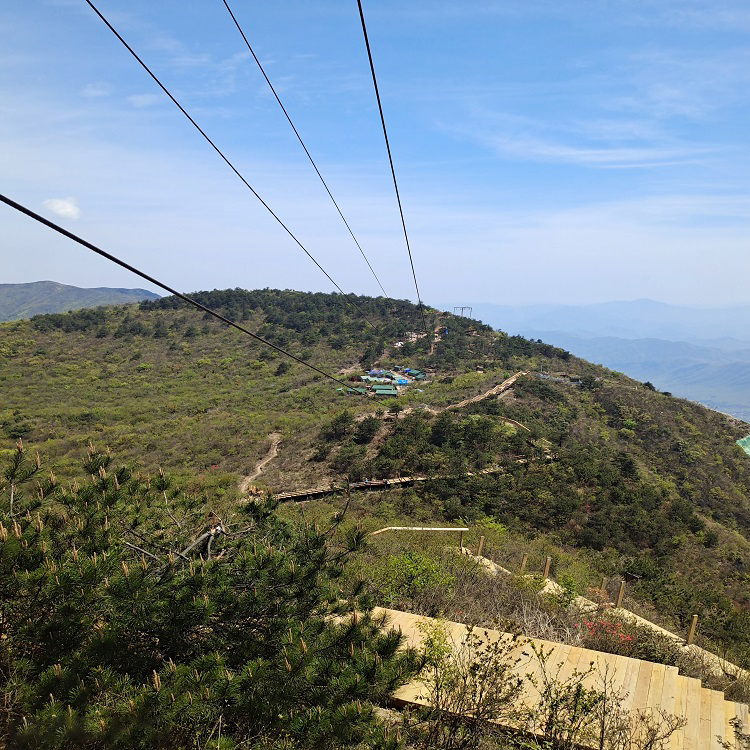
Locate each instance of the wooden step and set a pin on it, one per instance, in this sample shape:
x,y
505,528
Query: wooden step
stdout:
x,y
559,654
688,705
630,682
669,691
705,720
620,668
730,713
571,665
642,685
656,686
718,720
640,694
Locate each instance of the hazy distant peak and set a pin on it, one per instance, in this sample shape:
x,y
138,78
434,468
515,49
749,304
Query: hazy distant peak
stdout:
x,y
19,301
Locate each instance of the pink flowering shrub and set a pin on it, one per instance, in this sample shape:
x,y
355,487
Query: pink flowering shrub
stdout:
x,y
606,635
627,639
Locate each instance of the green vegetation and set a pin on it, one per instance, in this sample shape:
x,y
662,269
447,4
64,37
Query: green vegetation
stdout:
x,y
170,388
132,617
652,484
605,474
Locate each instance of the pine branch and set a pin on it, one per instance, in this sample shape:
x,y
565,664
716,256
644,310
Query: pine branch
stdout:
x,y
141,550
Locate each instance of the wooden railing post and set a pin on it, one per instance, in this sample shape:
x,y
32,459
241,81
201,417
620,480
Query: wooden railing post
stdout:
x,y
461,541
524,560
691,632
603,587
547,565
620,595
481,546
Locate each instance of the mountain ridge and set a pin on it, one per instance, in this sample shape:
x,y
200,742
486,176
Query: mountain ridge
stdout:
x,y
20,301
624,319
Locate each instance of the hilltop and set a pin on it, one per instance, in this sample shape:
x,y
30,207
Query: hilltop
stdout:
x,y
644,484
18,301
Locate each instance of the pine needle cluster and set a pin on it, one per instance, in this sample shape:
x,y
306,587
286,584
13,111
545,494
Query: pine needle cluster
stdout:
x,y
130,620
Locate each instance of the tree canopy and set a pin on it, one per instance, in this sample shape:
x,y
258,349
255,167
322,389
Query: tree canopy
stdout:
x,y
129,619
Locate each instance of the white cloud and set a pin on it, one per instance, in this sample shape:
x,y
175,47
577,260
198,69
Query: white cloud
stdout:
x,y
95,90
550,151
192,61
65,207
143,100
668,83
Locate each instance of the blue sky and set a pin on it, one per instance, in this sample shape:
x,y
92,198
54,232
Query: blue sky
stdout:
x,y
566,151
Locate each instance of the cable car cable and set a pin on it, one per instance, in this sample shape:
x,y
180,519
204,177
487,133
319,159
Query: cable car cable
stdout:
x,y
299,138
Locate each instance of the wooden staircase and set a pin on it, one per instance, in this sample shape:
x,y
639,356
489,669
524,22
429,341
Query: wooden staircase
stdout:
x,y
644,685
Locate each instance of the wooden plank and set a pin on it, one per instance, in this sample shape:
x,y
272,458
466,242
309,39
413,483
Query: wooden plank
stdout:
x,y
619,668
717,720
705,720
640,694
656,686
680,709
669,691
669,695
730,713
531,669
691,710
407,623
569,667
630,681
596,663
560,654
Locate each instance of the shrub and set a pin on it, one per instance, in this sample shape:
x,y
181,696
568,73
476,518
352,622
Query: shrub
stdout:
x,y
412,575
468,685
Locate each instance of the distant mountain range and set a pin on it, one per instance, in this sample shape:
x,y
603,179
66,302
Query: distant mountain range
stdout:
x,y
18,301
713,376
637,319
700,354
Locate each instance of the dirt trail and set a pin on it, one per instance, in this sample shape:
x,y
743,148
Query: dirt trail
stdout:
x,y
494,391
498,389
273,451
384,483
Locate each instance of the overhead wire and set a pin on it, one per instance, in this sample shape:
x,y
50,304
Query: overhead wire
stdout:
x,y
223,156
302,143
390,160
185,298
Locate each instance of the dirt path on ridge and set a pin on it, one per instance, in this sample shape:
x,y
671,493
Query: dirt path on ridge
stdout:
x,y
497,390
273,451
494,391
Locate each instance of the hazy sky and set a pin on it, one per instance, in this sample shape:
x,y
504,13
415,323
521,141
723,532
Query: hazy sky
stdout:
x,y
547,150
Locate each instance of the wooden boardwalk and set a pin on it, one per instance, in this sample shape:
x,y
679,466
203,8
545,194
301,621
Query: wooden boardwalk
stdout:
x,y
644,685
380,484
718,666
374,484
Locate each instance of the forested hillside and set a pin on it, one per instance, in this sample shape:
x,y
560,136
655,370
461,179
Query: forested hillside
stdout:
x,y
648,486
175,388
18,301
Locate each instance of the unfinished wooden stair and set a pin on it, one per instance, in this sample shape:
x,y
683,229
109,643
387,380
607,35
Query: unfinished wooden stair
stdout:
x,y
644,685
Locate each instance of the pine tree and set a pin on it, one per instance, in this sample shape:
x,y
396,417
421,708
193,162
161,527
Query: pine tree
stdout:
x,y
128,621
